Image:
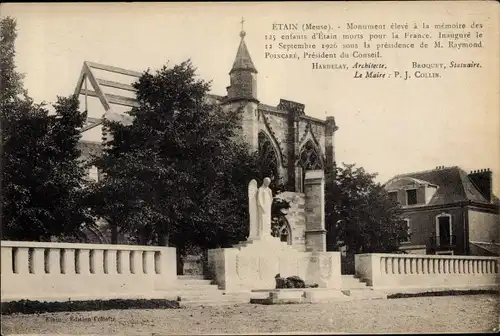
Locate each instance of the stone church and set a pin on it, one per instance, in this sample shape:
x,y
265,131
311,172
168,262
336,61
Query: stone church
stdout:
x,y
288,141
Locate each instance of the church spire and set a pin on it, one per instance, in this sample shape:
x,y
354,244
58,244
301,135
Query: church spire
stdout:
x,y
243,61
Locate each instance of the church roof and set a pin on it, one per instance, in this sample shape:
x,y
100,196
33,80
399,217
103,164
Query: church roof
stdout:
x,y
454,185
243,61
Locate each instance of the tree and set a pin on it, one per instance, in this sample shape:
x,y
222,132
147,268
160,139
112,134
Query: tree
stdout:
x,y
11,85
359,213
41,174
179,169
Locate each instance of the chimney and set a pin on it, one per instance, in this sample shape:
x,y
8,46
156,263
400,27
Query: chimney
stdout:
x,y
482,179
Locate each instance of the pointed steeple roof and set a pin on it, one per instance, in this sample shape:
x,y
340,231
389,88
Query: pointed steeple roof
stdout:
x,y
243,61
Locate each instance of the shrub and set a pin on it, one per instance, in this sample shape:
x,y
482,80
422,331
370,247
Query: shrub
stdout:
x,y
37,307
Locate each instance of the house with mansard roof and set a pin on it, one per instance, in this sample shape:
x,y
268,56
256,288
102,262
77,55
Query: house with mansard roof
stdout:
x,y
448,211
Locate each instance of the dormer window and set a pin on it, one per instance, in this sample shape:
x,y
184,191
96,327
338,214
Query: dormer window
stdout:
x,y
411,191
411,197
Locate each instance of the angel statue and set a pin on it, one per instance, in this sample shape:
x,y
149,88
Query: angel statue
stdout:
x,y
260,201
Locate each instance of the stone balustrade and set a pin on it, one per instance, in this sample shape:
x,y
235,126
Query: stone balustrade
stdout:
x,y
400,271
62,271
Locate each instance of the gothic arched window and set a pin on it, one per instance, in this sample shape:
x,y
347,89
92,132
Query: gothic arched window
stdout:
x,y
268,161
309,157
286,232
282,230
309,160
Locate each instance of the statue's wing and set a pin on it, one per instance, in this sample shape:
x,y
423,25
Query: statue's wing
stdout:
x,y
252,206
252,200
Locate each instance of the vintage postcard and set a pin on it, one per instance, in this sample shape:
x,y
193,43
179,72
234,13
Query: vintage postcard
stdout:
x,y
250,168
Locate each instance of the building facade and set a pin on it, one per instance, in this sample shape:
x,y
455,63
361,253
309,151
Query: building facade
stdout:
x,y
448,211
288,141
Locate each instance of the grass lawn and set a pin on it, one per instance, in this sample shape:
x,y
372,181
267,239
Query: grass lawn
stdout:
x,y
467,313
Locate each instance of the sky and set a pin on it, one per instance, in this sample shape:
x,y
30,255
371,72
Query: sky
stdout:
x,y
388,127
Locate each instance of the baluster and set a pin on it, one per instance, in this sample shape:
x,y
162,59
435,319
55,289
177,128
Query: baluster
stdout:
x,y
446,268
419,268
123,262
38,260
461,266
413,267
97,262
136,262
157,262
21,260
407,266
148,262
53,261
401,269
69,261
83,262
6,256
110,261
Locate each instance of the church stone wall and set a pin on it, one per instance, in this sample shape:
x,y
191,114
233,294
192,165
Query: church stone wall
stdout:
x,y
319,132
296,218
318,129
277,126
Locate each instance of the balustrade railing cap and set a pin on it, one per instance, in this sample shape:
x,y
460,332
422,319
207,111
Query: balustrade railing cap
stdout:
x,y
80,246
424,256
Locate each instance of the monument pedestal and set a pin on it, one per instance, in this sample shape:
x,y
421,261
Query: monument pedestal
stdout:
x,y
254,264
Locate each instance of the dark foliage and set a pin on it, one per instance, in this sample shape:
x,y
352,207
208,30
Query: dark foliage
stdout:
x,y
359,213
442,293
41,173
179,170
37,307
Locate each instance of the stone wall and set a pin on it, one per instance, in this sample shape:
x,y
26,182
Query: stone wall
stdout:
x,y
296,218
483,226
315,211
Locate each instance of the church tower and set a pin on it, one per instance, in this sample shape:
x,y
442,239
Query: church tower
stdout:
x,y
242,92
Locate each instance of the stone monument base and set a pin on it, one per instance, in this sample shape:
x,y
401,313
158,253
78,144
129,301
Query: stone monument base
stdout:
x,y
299,295
254,264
